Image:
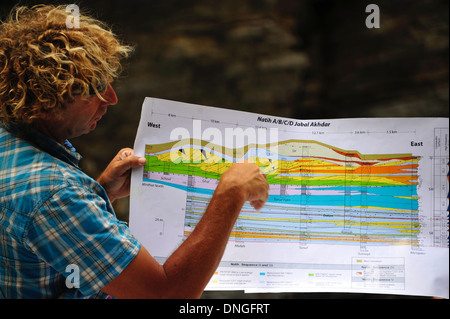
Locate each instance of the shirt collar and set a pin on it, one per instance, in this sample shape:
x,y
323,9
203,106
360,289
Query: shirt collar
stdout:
x,y
65,152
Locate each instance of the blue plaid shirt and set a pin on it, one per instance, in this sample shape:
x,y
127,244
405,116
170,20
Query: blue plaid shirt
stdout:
x,y
59,236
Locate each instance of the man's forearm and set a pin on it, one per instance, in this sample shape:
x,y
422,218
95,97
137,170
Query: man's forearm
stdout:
x,y
195,261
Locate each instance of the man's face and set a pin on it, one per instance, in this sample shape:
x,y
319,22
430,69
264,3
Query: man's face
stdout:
x,y
81,116
84,115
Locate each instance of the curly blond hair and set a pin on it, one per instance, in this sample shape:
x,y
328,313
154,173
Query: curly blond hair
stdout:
x,y
44,64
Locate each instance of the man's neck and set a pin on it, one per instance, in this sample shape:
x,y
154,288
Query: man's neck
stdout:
x,y
52,131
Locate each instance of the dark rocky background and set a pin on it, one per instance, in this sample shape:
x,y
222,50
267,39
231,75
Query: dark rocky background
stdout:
x,y
301,59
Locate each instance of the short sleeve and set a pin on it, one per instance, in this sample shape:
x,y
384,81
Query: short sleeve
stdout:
x,y
77,227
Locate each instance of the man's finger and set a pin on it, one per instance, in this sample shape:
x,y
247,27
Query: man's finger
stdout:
x,y
130,162
134,161
257,204
125,154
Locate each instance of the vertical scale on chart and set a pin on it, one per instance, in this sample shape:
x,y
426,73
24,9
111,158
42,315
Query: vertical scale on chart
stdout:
x,y
440,218
193,200
304,174
364,218
347,195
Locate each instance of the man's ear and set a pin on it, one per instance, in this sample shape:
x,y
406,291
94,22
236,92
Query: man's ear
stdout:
x,y
49,115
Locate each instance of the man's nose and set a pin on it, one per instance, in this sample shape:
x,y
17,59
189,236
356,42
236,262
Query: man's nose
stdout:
x,y
110,96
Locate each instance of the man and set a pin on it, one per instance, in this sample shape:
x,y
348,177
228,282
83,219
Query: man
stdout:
x,y
55,84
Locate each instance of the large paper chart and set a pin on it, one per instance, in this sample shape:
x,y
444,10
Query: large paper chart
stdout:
x,y
355,205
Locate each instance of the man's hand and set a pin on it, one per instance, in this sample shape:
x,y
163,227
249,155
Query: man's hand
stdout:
x,y
249,180
117,175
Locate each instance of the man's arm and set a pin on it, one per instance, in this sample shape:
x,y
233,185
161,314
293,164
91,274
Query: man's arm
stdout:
x,y
188,270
